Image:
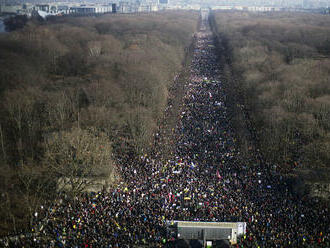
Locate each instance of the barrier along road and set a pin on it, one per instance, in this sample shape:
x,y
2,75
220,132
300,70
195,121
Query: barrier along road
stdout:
x,y
206,179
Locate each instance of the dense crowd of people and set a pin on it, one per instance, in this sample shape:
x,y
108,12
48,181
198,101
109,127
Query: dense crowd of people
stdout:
x,y
206,180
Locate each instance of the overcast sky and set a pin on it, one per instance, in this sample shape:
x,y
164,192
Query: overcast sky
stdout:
x,y
283,3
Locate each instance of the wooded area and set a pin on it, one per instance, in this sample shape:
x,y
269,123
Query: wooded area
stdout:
x,y
77,92
280,70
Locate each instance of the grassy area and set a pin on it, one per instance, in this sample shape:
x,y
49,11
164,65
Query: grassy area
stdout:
x,y
281,67
81,85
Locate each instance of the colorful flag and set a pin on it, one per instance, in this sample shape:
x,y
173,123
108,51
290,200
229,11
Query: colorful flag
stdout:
x,y
218,175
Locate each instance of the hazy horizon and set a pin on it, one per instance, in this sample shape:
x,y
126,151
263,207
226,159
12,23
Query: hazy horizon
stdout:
x,y
281,3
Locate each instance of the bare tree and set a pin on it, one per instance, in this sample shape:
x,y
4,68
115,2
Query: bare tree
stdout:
x,y
36,186
7,215
3,149
79,157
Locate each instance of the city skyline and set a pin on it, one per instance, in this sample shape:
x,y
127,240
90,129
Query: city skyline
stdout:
x,y
282,3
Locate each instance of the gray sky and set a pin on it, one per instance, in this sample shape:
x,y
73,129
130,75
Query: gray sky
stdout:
x,y
279,3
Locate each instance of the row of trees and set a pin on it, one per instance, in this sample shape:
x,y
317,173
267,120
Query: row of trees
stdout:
x,y
75,93
281,66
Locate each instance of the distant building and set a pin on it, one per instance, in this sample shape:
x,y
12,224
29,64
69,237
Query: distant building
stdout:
x,y
125,7
114,8
11,9
63,9
91,9
42,7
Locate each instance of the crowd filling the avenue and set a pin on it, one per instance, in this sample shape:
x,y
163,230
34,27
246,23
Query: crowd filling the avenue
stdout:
x,y
207,179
